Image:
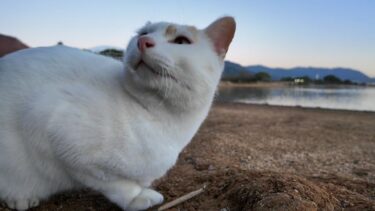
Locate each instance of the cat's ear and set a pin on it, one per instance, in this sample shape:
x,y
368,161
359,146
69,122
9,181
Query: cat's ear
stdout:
x,y
221,33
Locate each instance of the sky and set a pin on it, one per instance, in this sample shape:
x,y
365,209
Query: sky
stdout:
x,y
275,33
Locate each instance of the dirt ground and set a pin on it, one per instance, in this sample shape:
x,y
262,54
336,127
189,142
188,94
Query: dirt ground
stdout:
x,y
257,157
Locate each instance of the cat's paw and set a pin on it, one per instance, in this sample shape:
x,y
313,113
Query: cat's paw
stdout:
x,y
22,204
146,199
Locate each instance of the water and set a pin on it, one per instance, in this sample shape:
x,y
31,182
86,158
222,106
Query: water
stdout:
x,y
347,98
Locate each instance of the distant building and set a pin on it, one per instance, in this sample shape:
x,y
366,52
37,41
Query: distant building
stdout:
x,y
299,81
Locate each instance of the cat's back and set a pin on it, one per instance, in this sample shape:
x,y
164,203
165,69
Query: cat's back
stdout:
x,y
55,63
41,70
39,76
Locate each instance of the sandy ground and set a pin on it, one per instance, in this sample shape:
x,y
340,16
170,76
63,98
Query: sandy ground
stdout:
x,y
256,157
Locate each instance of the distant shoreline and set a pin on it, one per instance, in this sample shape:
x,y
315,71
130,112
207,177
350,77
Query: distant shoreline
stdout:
x,y
283,94
281,84
292,107
227,84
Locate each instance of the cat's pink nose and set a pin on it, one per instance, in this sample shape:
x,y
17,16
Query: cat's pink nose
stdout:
x,y
145,42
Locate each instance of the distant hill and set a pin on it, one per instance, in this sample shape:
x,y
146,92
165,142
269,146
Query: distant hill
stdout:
x,y
312,72
233,70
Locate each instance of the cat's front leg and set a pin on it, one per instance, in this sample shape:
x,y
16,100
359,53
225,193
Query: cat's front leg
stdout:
x,y
130,195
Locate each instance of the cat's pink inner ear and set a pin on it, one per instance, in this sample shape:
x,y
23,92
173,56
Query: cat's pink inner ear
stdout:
x,y
221,33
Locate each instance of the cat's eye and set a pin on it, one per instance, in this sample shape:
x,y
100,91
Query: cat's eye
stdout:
x,y
181,40
142,33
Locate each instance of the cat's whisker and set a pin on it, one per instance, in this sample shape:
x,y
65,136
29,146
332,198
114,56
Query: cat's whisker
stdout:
x,y
168,84
164,86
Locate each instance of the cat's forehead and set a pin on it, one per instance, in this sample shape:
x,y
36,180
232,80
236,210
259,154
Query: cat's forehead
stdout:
x,y
169,29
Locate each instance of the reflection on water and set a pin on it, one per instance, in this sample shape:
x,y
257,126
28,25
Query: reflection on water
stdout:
x,y
349,98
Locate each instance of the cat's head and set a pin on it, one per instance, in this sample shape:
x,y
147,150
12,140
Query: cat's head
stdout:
x,y
179,62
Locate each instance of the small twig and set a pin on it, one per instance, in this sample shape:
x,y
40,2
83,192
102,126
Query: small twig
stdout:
x,y
182,199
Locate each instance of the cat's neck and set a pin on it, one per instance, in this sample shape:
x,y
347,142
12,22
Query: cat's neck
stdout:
x,y
172,115
157,100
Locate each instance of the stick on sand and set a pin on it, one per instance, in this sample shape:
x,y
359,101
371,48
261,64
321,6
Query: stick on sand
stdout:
x,y
181,199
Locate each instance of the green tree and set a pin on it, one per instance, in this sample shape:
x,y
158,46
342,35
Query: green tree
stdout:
x,y
348,82
287,79
112,53
262,76
331,79
306,79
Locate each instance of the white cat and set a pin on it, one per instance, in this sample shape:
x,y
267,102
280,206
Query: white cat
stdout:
x,y
72,119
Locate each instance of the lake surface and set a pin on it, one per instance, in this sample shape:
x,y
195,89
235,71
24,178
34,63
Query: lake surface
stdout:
x,y
346,98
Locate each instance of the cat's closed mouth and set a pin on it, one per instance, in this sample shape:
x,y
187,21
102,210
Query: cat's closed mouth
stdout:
x,y
161,74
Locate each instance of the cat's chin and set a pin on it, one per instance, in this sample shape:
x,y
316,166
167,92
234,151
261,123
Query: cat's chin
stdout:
x,y
142,65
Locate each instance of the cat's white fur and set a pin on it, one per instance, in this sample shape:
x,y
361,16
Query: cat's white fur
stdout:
x,y
71,119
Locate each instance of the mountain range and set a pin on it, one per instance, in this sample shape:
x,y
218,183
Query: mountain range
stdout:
x,y
234,71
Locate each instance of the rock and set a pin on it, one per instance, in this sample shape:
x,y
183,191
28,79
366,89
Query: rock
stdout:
x,y
10,44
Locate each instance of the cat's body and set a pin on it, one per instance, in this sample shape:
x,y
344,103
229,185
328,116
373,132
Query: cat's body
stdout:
x,y
72,119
